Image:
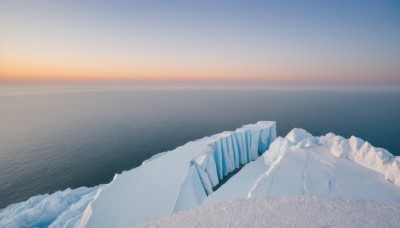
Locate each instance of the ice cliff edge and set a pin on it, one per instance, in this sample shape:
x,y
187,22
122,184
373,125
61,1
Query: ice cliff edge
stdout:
x,y
164,184
177,180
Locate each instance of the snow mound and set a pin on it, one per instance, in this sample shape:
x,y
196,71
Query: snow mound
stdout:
x,y
304,211
297,134
60,209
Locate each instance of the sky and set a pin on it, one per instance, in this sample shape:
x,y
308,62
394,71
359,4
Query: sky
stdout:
x,y
293,42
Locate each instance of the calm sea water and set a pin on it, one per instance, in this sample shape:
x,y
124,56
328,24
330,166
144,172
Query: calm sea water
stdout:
x,y
54,137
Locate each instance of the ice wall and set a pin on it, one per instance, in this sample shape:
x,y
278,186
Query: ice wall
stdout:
x,y
221,156
230,150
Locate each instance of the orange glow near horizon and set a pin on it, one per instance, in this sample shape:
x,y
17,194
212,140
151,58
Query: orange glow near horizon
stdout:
x,y
28,71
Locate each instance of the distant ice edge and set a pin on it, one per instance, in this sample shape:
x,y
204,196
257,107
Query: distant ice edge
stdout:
x,y
60,209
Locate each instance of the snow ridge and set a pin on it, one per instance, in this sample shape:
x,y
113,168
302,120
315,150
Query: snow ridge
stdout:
x,y
363,153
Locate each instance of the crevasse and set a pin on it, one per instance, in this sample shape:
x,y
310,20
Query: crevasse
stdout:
x,y
224,154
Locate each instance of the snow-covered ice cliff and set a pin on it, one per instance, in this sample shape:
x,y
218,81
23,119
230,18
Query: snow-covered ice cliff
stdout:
x,y
164,184
298,180
177,180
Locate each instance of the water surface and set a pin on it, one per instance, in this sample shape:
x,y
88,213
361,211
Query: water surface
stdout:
x,y
55,137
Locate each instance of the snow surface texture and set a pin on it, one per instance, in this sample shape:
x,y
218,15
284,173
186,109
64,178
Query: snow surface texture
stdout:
x,y
300,211
60,209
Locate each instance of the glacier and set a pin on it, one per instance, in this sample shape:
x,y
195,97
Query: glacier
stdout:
x,y
300,168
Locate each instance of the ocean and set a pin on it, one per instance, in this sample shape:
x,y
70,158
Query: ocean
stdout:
x,y
54,137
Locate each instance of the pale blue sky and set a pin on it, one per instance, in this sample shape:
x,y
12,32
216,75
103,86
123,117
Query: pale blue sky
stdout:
x,y
355,42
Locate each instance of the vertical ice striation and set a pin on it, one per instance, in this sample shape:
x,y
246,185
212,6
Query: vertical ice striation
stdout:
x,y
230,150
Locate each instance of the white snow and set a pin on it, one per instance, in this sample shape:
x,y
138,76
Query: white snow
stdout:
x,y
326,166
300,211
315,171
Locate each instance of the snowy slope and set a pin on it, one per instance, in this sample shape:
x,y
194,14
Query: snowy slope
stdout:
x,y
300,211
330,166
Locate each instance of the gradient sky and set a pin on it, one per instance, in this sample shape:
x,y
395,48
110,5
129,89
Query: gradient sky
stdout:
x,y
328,42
